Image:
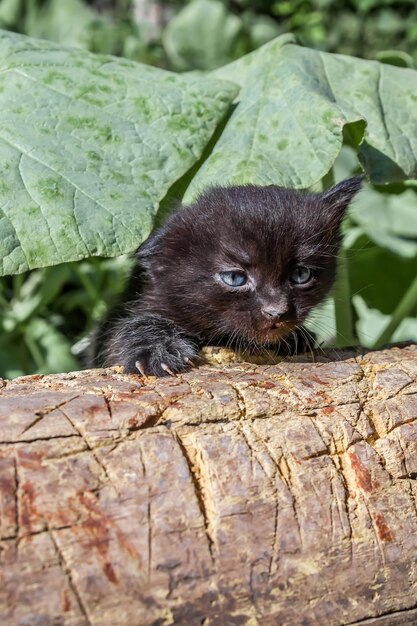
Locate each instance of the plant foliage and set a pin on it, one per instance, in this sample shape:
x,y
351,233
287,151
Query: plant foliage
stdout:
x,y
104,138
89,145
92,149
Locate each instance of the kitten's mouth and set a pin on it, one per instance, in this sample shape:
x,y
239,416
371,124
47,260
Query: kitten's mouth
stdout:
x,y
280,325
274,332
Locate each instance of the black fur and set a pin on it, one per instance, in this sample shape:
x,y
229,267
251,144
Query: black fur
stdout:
x,y
175,301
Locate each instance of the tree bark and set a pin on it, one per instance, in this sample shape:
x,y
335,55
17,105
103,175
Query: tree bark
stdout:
x,y
241,494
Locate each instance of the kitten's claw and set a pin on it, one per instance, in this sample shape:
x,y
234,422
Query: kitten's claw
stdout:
x,y
139,366
167,369
160,356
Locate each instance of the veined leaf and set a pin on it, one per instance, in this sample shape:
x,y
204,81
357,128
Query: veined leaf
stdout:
x,y
293,108
89,145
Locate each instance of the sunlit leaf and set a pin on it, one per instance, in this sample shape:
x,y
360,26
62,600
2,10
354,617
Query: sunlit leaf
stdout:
x,y
294,108
89,145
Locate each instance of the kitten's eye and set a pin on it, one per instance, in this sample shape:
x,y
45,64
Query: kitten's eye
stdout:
x,y
301,275
234,278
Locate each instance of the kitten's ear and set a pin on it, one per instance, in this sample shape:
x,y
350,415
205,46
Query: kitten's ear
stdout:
x,y
147,252
151,247
334,201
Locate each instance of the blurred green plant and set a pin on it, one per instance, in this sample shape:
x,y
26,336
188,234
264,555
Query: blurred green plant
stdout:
x,y
380,256
208,33
45,315
204,34
107,30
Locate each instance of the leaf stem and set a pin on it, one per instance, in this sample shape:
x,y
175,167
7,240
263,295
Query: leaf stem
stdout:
x,y
87,283
35,353
328,179
342,303
404,308
341,292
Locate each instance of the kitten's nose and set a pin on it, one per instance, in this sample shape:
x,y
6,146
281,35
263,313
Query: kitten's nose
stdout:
x,y
274,314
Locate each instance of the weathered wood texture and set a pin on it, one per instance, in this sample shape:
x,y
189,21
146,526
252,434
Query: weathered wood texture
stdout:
x,y
242,495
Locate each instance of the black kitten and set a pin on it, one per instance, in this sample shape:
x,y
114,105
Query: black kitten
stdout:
x,y
243,265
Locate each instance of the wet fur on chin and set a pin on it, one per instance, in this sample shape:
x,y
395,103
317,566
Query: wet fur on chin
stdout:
x,y
176,301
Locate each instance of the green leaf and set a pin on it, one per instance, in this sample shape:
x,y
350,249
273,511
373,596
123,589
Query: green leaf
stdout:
x,y
371,323
395,57
50,349
39,289
261,29
65,22
74,23
293,108
89,145
10,11
14,360
379,276
202,36
322,322
388,220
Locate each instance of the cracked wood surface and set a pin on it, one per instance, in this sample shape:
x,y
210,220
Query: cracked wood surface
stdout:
x,y
240,494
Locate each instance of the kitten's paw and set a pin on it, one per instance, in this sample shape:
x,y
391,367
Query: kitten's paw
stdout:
x,y
166,358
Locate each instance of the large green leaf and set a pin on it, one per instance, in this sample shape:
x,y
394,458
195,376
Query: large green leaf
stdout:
x,y
89,145
293,108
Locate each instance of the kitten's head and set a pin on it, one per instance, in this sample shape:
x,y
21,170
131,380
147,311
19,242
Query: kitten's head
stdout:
x,y
246,261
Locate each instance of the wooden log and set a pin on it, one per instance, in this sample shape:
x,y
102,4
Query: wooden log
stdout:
x,y
235,495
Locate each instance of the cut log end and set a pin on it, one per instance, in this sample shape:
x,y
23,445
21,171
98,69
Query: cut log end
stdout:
x,y
237,494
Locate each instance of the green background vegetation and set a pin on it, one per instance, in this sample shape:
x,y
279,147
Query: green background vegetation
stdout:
x,y
46,314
